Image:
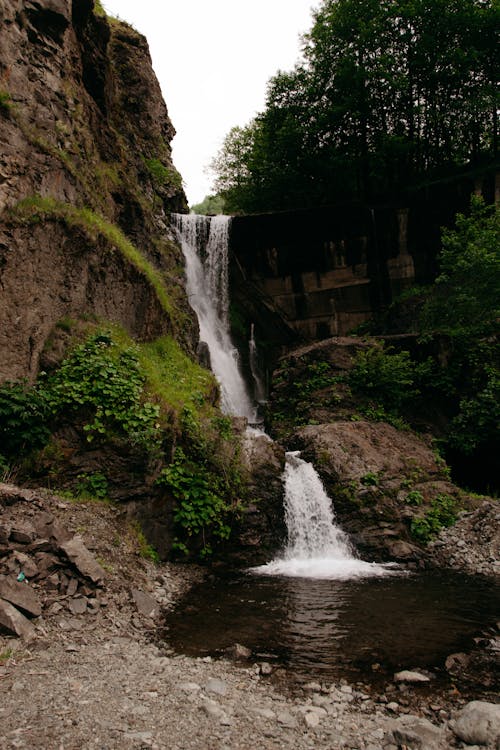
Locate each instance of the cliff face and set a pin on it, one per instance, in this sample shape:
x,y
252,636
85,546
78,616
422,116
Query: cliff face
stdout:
x,y
86,181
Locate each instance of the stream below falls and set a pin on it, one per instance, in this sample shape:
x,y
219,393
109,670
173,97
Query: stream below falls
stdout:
x,y
330,629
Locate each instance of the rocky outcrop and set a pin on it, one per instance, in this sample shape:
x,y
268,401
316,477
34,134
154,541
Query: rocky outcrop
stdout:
x,y
370,471
261,529
86,181
41,563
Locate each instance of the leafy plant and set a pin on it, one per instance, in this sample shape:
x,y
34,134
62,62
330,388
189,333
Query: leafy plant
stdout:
x,y
442,513
163,175
24,411
414,498
370,479
201,506
93,485
5,101
104,382
384,375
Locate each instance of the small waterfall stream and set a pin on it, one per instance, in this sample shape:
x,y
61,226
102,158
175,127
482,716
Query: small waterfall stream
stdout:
x,y
316,547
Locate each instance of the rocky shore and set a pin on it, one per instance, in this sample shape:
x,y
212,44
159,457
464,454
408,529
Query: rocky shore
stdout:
x,y
89,671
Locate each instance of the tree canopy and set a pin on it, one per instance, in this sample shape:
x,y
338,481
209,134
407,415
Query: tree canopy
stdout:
x,y
387,92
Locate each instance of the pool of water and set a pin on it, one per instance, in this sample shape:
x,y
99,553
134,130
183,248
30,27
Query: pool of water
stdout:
x,y
327,629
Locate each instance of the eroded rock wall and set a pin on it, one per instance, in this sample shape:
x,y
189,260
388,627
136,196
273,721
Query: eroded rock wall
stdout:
x,y
82,125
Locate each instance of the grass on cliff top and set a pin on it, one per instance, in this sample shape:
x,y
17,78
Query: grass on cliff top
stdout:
x,y
94,225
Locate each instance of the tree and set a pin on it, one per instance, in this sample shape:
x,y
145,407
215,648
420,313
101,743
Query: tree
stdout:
x,y
387,94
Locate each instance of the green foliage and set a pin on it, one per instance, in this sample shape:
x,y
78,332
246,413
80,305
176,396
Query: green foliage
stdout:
x,y
465,299
385,376
163,176
5,101
210,205
146,550
370,479
414,498
201,506
104,383
99,9
386,93
24,411
92,485
442,513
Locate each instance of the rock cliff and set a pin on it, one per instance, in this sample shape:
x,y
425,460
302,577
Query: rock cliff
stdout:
x,y
86,181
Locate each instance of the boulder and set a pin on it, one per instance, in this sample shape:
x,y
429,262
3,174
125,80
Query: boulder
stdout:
x,y
416,733
14,622
83,560
21,595
145,603
478,723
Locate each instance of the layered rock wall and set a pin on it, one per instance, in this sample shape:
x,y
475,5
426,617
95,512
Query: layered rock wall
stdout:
x,y
85,167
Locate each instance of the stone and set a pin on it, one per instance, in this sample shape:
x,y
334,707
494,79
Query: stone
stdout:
x,y
72,587
312,720
417,734
214,685
478,723
238,651
211,708
83,560
411,677
14,622
286,719
146,605
265,668
189,687
27,565
23,533
21,595
5,530
78,606
49,528
264,713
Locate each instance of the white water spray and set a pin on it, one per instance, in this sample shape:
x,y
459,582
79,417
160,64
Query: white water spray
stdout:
x,y
207,287
317,547
253,358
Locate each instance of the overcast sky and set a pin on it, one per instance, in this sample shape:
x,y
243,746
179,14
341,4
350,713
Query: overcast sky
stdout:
x,y
213,59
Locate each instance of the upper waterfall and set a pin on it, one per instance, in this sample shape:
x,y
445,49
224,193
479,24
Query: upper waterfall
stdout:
x,y
205,241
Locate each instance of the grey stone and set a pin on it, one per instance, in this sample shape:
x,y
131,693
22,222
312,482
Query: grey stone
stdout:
x,y
417,734
14,622
478,723
83,560
408,676
214,685
145,603
237,651
211,708
312,719
21,595
23,533
78,606
266,668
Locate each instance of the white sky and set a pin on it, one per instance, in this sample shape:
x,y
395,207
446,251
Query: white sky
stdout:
x,y
213,59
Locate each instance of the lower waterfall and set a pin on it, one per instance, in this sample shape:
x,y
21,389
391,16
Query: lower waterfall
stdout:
x,y
316,546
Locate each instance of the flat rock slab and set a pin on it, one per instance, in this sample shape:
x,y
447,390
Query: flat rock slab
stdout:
x,y
14,622
416,733
478,723
82,559
21,595
411,677
145,603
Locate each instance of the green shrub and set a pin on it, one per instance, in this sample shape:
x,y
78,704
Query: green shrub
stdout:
x,y
385,376
24,412
442,513
104,383
92,485
201,506
5,101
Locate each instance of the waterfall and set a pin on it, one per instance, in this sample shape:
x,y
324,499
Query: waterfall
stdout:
x,y
258,385
316,547
204,241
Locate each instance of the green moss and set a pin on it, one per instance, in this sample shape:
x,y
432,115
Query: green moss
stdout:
x,y
99,9
5,101
36,208
162,175
173,377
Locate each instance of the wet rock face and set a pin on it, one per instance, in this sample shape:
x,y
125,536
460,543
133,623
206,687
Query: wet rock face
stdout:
x,y
83,124
261,530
